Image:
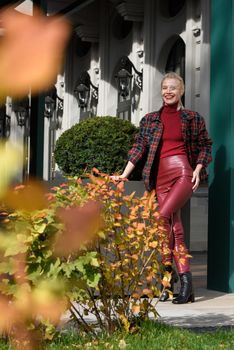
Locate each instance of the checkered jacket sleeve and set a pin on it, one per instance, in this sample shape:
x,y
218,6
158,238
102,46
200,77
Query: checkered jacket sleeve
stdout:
x,y
204,144
139,147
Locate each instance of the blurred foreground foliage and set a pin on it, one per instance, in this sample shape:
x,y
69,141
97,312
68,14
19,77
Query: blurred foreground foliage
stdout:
x,y
92,249
88,248
32,51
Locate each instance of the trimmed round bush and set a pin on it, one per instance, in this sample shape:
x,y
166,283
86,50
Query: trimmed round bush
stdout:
x,y
100,142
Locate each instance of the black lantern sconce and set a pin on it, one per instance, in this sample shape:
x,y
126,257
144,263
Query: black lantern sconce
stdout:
x,y
21,116
82,90
50,103
53,108
49,107
21,109
124,76
5,123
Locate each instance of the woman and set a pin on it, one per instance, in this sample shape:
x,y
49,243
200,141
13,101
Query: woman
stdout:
x,y
178,150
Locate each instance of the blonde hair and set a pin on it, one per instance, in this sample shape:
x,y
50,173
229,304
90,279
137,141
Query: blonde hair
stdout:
x,y
173,75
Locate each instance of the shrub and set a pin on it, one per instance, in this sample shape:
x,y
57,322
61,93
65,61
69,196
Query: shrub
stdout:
x,y
39,272
115,277
128,248
101,142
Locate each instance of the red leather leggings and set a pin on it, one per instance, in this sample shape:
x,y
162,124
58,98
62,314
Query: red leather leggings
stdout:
x,y
173,189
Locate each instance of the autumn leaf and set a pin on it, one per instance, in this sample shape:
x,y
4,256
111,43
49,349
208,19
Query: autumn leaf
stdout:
x,y
148,292
125,322
11,161
122,344
48,305
27,197
80,224
31,51
120,186
136,308
153,244
136,296
8,314
166,279
182,261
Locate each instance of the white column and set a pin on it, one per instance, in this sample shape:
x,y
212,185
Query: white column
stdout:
x,y
137,58
149,75
190,53
204,107
104,59
71,112
46,149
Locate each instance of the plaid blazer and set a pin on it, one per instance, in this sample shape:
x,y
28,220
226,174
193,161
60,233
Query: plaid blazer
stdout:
x,y
195,136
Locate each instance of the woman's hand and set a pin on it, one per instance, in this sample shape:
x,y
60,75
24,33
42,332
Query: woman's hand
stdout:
x,y
118,177
196,177
127,171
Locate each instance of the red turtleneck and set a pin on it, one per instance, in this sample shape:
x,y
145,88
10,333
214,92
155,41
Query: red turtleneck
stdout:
x,y
172,141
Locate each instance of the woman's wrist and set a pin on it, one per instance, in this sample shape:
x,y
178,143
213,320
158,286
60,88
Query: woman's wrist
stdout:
x,y
199,167
125,175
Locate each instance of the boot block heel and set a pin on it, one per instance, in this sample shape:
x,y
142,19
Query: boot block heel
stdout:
x,y
191,299
186,294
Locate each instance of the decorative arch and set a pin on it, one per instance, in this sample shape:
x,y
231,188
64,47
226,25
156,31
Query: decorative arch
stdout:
x,y
171,8
172,56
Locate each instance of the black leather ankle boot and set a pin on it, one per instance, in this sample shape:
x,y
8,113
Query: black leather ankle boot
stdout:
x,y
174,278
186,294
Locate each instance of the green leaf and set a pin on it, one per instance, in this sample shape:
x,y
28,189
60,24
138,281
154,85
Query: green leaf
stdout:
x,y
7,267
94,281
40,228
15,249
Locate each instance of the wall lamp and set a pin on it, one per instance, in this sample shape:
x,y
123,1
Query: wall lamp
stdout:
x,y
49,107
50,103
5,123
53,108
83,89
124,76
21,109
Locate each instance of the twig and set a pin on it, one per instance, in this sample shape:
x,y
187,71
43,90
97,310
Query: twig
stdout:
x,y
85,324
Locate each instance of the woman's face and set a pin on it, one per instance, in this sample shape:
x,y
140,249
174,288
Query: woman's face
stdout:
x,y
171,91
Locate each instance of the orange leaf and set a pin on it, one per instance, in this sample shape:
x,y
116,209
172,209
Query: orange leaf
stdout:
x,y
136,296
31,51
81,223
182,261
147,292
136,309
153,244
120,186
29,198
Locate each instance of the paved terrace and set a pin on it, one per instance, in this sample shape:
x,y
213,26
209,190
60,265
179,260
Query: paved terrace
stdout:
x,y
211,309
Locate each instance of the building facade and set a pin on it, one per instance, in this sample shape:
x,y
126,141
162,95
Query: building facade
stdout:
x,y
155,36
117,55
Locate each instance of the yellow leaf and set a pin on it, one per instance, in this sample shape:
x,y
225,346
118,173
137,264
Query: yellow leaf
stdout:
x,y
182,261
122,344
125,322
11,161
153,244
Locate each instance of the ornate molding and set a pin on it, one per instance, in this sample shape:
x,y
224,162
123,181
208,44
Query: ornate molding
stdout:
x,y
196,30
131,10
88,32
